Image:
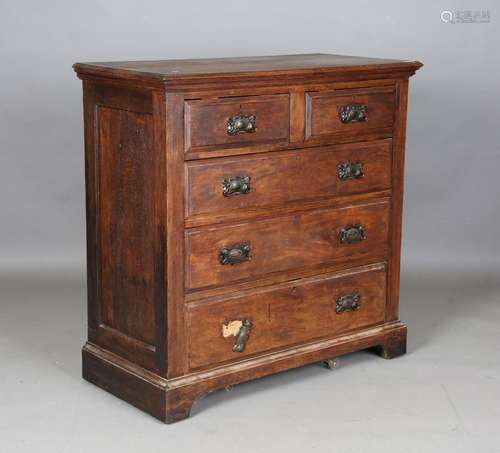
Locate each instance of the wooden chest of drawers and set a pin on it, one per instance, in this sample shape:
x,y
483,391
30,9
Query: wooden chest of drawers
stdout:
x,y
243,218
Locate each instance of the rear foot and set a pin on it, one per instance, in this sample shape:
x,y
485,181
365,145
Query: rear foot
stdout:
x,y
394,346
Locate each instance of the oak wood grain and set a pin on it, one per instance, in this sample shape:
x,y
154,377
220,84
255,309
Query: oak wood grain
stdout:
x,y
323,111
183,73
206,121
125,274
177,338
286,315
291,206
398,161
283,243
156,152
279,178
172,400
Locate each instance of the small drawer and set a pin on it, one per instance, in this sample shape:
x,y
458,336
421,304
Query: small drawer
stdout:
x,y
248,250
349,112
273,179
237,122
285,315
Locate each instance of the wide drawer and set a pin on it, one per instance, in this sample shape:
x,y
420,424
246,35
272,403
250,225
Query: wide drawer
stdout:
x,y
237,122
349,112
285,315
226,184
223,255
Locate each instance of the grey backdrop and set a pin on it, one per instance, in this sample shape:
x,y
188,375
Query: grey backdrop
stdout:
x,y
451,210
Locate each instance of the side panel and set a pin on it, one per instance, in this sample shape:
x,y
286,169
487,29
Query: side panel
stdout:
x,y
126,222
125,186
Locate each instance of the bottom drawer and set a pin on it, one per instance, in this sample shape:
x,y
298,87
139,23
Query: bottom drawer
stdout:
x,y
285,315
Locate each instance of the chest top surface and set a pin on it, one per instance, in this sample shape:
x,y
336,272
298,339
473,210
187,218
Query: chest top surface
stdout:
x,y
305,64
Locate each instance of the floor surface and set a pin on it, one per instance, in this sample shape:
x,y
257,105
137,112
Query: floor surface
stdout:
x,y
443,396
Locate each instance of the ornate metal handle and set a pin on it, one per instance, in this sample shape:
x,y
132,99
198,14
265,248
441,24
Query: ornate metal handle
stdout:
x,y
352,233
242,336
353,113
350,170
237,185
241,124
235,254
348,302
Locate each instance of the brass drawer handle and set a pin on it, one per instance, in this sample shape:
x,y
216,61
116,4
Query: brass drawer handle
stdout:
x,y
352,233
237,185
241,124
350,170
239,329
242,336
353,113
235,254
348,302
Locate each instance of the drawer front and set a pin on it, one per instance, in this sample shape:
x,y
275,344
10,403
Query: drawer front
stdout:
x,y
285,315
237,122
223,255
349,112
251,182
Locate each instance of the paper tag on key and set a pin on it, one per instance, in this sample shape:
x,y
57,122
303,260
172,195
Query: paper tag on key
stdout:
x,y
231,328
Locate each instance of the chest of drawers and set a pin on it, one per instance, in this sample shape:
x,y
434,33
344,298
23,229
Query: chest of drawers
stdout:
x,y
243,218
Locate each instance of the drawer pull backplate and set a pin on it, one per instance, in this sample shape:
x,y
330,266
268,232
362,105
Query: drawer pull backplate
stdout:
x,y
348,302
353,113
352,233
235,254
236,185
241,124
350,170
